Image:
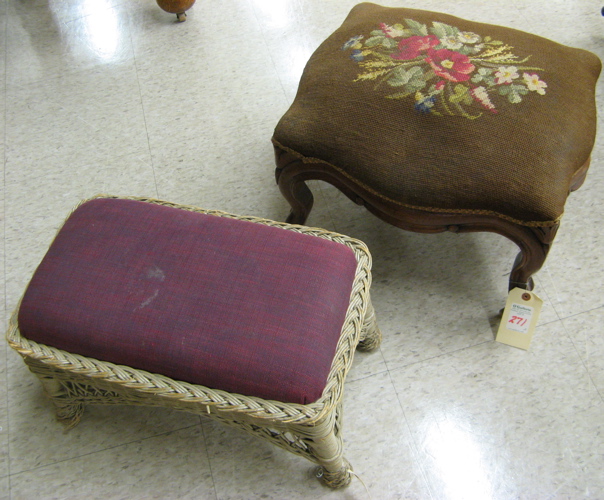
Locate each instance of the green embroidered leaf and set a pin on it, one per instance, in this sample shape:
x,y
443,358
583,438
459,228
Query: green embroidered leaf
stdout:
x,y
442,30
461,93
484,75
415,85
390,43
465,50
412,78
417,28
520,89
374,41
514,92
377,33
487,38
399,27
495,42
428,75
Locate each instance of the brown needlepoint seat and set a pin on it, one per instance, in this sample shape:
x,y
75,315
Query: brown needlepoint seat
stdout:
x,y
436,123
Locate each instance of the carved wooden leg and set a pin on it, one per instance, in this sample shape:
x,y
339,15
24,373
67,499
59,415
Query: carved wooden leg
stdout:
x,y
534,247
299,197
292,186
371,336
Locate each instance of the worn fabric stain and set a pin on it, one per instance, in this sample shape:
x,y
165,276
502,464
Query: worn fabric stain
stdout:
x,y
148,301
155,273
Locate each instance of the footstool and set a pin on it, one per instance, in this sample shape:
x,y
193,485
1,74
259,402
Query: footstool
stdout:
x,y
436,123
244,320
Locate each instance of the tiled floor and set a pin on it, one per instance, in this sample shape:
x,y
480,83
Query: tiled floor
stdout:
x,y
114,96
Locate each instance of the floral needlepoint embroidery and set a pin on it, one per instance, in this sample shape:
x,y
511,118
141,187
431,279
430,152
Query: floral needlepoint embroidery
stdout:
x,y
447,71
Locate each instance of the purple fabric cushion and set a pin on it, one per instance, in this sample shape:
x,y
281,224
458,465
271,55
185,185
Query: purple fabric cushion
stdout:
x,y
228,304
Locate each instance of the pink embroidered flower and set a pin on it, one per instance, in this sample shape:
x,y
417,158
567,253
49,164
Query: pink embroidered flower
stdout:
x,y
440,85
533,83
450,65
482,97
412,47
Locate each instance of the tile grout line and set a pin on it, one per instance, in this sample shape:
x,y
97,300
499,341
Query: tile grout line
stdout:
x,y
416,450
205,443
140,93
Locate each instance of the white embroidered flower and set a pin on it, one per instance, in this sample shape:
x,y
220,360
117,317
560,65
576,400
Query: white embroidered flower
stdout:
x,y
391,31
468,37
451,42
505,74
533,83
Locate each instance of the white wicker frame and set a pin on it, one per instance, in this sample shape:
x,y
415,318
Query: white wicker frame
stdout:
x,y
312,431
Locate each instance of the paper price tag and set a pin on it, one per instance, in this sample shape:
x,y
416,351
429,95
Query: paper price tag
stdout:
x,y
519,318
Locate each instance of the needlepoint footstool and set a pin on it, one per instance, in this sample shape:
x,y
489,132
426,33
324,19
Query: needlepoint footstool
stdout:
x,y
437,123
244,320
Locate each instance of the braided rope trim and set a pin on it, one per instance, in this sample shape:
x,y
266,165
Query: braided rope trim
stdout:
x,y
463,211
156,385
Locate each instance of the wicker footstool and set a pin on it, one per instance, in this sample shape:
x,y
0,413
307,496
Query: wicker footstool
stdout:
x,y
436,123
247,321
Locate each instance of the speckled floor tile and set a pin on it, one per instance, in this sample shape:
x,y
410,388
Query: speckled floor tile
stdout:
x,y
74,119
181,94
171,465
3,22
494,421
585,331
4,468
385,463
201,172
41,43
4,488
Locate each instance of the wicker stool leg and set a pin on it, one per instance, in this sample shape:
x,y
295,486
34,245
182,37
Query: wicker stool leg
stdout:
x,y
68,409
325,447
371,336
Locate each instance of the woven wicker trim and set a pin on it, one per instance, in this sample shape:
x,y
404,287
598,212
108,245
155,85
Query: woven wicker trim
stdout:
x,y
310,159
221,400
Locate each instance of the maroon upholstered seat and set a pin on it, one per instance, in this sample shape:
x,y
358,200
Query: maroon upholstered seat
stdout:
x,y
224,303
